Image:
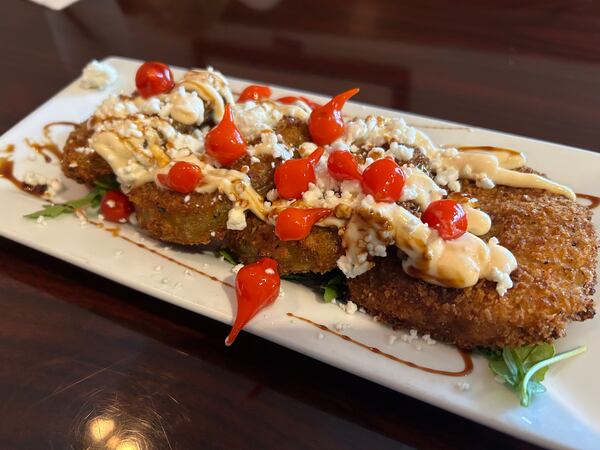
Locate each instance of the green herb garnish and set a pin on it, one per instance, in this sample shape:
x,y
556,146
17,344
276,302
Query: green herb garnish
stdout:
x,y
332,284
91,200
334,288
227,256
523,368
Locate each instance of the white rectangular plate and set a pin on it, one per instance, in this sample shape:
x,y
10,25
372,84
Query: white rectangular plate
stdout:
x,y
567,416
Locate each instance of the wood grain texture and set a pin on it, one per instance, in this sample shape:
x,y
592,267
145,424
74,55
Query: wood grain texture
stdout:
x,y
74,347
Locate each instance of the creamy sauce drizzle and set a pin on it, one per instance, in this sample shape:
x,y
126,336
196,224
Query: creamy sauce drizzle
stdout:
x,y
468,361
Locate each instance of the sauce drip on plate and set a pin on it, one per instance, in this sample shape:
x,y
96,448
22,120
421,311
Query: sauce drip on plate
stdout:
x,y
116,232
49,147
594,200
449,373
7,167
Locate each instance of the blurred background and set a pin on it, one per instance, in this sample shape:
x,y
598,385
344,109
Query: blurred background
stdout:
x,y
526,67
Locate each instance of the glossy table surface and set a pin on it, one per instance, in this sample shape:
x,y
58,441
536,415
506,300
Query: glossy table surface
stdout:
x,y
75,347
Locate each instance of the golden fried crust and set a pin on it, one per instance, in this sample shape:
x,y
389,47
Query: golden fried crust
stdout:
x,y
80,166
260,172
555,244
165,214
293,131
317,253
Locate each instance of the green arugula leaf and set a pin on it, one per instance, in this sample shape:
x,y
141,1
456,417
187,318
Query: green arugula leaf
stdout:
x,y
332,284
334,288
227,256
524,368
91,199
528,387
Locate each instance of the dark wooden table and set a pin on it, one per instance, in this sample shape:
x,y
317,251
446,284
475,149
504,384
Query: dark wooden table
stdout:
x,y
74,346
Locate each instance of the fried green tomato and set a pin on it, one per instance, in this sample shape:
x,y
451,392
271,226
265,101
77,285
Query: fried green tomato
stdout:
x,y
80,163
554,242
174,217
316,253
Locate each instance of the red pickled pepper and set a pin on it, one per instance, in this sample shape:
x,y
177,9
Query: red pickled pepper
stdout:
x,y
326,123
254,92
342,166
446,216
153,78
295,224
224,142
256,286
384,180
115,206
183,177
294,175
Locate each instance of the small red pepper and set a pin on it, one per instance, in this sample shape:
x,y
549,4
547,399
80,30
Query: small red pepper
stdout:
x,y
447,217
115,206
224,142
295,224
256,287
183,177
342,166
254,92
153,78
384,180
326,123
294,175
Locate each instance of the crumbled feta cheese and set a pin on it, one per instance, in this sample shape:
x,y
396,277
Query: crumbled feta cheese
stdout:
x,y
73,164
272,195
427,339
349,307
236,219
392,338
187,198
463,386
41,221
341,326
401,152
97,75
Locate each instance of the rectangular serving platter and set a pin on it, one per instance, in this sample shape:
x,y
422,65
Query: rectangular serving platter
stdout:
x,y
567,416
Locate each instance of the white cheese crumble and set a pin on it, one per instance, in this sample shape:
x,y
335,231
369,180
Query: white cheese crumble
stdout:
x,y
98,75
236,219
463,386
349,307
237,268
